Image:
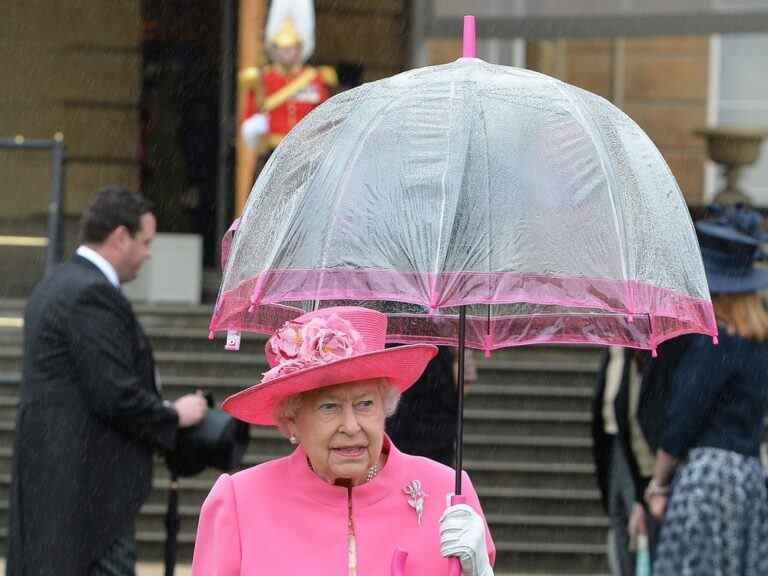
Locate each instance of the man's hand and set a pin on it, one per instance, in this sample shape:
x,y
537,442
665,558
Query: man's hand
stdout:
x,y
636,526
191,409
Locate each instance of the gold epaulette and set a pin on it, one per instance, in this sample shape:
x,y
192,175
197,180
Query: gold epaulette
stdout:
x,y
328,75
249,77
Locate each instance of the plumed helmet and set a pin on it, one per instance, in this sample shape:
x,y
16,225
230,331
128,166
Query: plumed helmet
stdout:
x,y
292,22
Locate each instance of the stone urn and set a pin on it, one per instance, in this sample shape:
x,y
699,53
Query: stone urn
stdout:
x,y
733,148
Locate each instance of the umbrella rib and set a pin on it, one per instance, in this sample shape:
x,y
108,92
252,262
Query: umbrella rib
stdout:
x,y
433,298
488,339
334,213
599,147
340,197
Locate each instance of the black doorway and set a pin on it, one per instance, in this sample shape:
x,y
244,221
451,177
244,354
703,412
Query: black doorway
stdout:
x,y
181,81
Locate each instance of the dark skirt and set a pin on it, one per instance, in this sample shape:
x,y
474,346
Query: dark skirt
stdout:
x,y
717,518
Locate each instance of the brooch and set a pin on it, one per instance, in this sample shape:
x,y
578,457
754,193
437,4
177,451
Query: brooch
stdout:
x,y
416,497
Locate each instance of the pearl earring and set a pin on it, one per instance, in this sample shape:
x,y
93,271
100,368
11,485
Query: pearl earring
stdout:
x,y
293,440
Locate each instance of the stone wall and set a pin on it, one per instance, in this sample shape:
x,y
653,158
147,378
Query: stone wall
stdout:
x,y
69,66
368,32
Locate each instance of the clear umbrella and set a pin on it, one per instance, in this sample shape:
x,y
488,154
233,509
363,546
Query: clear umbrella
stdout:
x,y
476,205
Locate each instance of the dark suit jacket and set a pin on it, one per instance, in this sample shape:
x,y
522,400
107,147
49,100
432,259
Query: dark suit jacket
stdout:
x,y
89,419
602,446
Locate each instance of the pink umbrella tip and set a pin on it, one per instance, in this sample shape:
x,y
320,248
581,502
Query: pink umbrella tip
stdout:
x,y
469,37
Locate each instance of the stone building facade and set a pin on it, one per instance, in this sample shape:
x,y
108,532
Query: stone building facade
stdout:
x,y
71,67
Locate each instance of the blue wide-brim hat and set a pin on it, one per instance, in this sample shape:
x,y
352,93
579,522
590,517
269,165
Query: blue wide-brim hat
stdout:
x,y
730,246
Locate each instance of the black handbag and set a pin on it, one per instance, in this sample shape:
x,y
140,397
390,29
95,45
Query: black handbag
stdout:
x,y
219,441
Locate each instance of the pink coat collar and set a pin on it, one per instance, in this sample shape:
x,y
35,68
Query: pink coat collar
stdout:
x,y
389,478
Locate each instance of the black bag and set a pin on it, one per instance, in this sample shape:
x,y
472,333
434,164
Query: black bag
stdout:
x,y
219,441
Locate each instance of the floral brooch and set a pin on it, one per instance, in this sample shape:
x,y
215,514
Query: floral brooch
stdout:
x,y
416,496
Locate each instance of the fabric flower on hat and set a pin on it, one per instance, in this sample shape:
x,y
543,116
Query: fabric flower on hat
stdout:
x,y
330,339
319,341
287,342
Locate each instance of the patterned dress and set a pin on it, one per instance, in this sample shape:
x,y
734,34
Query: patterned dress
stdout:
x,y
717,519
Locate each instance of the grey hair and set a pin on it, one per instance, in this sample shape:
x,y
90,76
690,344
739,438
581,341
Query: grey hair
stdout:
x,y
289,407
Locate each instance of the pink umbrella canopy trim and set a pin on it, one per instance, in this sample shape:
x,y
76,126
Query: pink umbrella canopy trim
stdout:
x,y
583,310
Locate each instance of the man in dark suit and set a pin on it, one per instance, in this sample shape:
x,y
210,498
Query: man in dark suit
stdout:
x,y
90,414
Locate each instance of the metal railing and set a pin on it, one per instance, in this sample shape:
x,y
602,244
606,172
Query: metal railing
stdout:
x,y
54,242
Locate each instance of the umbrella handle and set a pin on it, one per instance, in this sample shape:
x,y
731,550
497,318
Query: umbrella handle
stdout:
x,y
455,569
397,568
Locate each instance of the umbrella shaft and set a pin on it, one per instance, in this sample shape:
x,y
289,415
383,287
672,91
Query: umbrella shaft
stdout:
x,y
460,410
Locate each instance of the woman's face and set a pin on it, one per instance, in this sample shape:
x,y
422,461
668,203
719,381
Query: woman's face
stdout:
x,y
341,428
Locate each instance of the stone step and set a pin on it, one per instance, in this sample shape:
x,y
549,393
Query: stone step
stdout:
x,y
556,529
507,422
10,335
10,359
531,475
150,545
495,447
152,518
6,454
545,502
545,557
8,406
529,397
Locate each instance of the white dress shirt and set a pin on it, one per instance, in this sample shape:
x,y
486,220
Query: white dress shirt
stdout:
x,y
101,263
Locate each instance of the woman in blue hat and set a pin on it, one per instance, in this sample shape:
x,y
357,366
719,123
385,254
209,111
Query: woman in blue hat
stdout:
x,y
708,484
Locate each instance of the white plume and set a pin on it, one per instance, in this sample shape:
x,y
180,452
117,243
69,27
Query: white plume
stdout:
x,y
302,12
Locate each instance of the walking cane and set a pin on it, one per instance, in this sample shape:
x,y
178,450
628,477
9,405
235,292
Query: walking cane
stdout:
x,y
172,525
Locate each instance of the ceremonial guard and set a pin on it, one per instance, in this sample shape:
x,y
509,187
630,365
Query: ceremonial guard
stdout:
x,y
279,95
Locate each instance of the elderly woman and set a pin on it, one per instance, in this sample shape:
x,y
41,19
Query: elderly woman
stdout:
x,y
346,499
708,483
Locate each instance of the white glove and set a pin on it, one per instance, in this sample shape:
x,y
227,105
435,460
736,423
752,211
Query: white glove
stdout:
x,y
462,534
253,128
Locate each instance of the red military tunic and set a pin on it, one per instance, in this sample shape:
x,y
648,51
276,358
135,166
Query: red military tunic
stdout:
x,y
288,112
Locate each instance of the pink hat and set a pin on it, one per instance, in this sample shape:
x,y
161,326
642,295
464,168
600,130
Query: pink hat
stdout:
x,y
326,347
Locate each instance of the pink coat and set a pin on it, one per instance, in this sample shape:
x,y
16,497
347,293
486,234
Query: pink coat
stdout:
x,y
280,519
